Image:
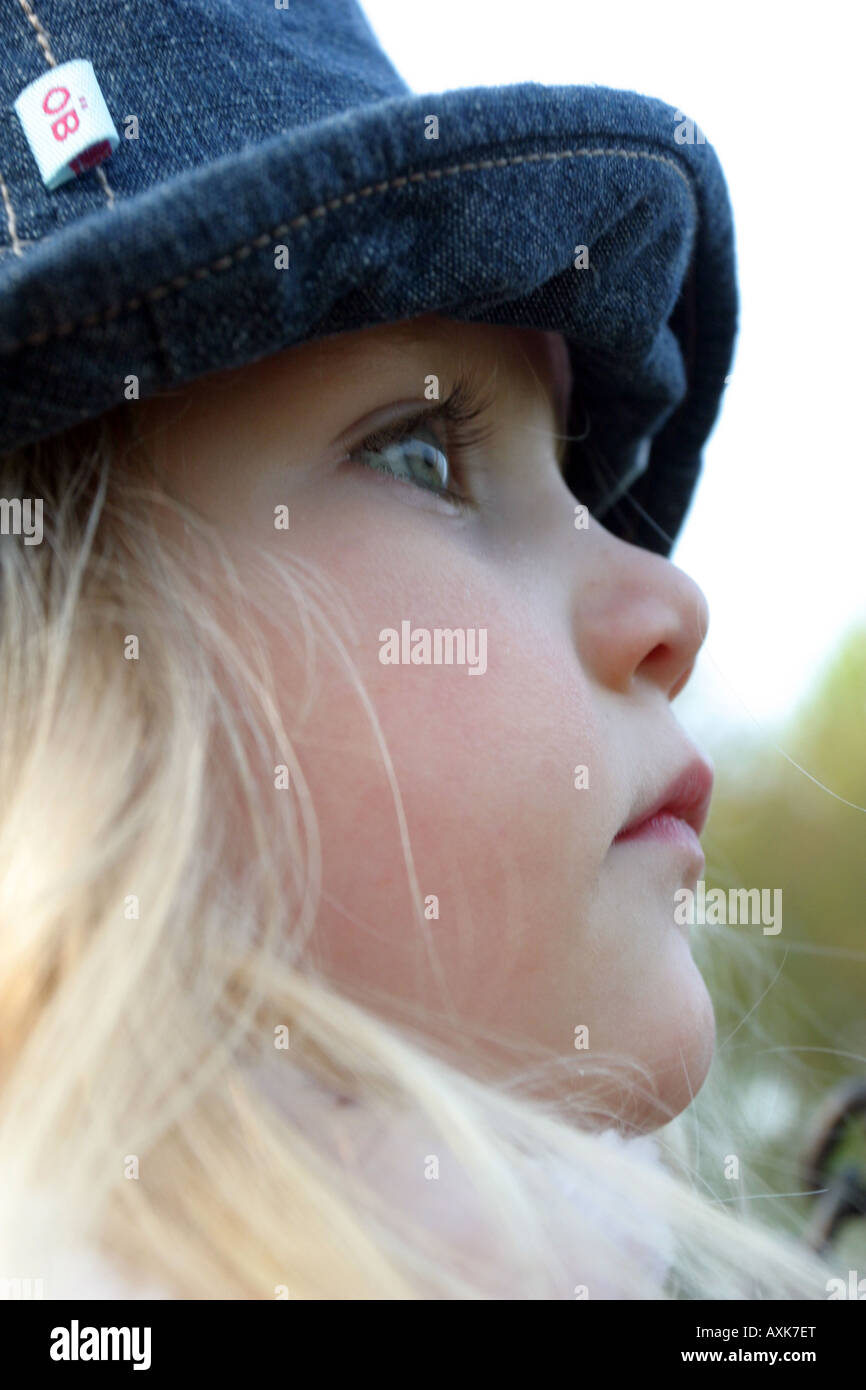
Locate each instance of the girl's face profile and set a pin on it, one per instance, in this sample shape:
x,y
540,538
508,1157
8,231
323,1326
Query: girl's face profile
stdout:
x,y
541,925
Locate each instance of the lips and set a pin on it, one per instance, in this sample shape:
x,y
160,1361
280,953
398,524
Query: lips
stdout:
x,y
686,798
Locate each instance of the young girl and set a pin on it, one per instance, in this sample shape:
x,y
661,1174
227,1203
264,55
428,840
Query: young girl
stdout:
x,y
343,804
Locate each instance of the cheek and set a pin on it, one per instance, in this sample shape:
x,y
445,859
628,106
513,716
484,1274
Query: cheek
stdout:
x,y
461,835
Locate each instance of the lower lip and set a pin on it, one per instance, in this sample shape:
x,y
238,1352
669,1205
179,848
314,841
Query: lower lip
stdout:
x,y
670,830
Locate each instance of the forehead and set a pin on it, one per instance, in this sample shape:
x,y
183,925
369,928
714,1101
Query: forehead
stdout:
x,y
540,353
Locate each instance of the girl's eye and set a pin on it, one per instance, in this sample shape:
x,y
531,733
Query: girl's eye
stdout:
x,y
430,450
411,457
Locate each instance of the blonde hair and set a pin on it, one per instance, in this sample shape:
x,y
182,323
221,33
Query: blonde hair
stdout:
x,y
147,967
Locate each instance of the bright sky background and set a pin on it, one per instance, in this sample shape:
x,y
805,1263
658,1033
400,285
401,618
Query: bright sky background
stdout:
x,y
775,536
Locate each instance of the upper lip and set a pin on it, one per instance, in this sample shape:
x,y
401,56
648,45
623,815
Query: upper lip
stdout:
x,y
687,796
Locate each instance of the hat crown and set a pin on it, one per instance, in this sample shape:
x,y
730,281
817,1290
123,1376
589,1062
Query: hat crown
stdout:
x,y
203,78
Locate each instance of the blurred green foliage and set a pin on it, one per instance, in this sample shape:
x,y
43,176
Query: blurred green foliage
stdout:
x,y
791,1009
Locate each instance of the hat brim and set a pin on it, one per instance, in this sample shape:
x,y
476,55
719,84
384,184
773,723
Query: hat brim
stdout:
x,y
382,224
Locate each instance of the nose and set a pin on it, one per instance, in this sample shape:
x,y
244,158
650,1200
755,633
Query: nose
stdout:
x,y
637,616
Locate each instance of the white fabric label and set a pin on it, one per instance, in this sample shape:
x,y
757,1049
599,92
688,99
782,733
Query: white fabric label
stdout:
x,y
66,121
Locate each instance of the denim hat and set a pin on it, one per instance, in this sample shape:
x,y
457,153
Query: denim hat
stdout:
x,y
192,186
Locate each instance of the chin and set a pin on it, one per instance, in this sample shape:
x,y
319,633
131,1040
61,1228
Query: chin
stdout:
x,y
680,1072
667,1078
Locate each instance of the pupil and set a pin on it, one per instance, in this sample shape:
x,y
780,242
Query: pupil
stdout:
x,y
432,461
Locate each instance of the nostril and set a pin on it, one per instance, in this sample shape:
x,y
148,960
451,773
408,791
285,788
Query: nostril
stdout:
x,y
663,666
657,656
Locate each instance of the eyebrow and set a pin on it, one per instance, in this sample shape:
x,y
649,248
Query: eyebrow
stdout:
x,y
557,380
405,333
554,352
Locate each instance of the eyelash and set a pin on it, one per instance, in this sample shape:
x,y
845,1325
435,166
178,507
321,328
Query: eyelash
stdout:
x,y
461,412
